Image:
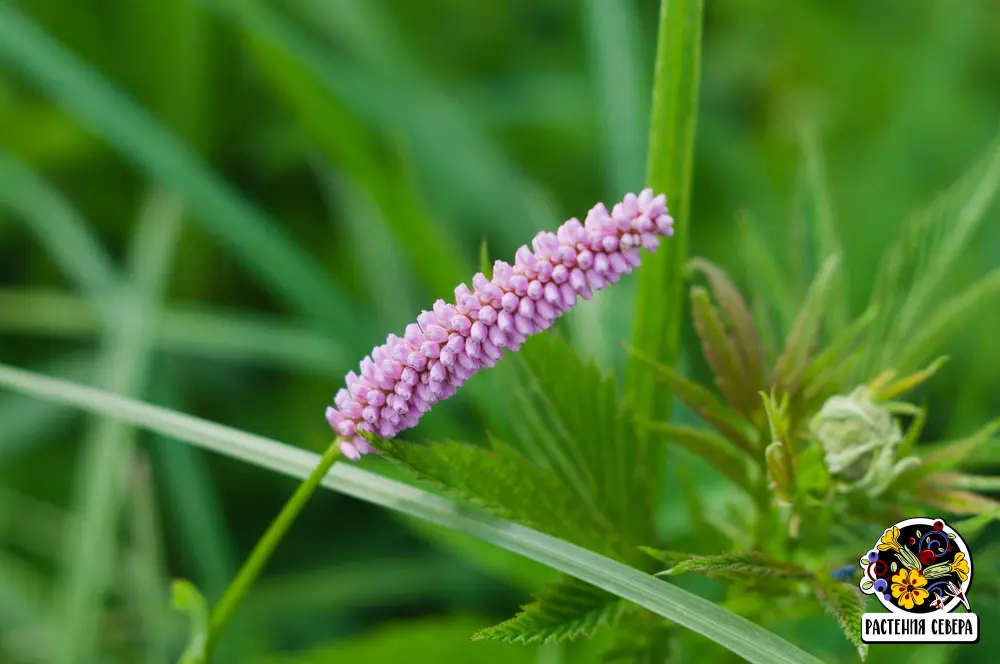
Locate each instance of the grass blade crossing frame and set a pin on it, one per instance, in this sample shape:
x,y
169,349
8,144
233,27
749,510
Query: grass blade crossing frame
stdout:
x,y
750,641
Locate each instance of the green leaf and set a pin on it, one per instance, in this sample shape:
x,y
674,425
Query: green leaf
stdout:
x,y
914,269
799,344
703,402
716,450
566,416
669,166
780,471
505,483
911,382
721,353
256,239
947,319
742,568
739,319
949,456
768,281
828,365
821,220
564,610
742,637
187,599
847,605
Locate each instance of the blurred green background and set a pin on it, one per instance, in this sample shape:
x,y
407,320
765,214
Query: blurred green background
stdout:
x,y
285,183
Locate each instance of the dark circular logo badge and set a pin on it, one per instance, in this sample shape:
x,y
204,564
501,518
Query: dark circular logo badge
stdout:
x,y
918,566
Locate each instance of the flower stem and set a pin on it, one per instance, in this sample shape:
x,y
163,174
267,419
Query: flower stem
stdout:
x,y
223,612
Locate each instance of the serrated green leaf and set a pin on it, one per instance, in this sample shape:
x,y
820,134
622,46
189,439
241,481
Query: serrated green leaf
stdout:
x,y
563,611
739,635
768,281
780,473
821,220
743,568
710,446
947,319
504,483
847,605
739,319
914,269
721,353
567,417
703,402
828,363
949,456
799,344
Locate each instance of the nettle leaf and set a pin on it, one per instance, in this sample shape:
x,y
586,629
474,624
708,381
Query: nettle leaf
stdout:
x,y
563,611
833,362
506,484
947,456
915,268
791,365
779,471
948,318
847,605
739,319
720,351
567,417
704,403
710,446
743,568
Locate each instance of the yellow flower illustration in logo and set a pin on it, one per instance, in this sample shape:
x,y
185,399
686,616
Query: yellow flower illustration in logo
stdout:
x,y
960,566
890,540
908,588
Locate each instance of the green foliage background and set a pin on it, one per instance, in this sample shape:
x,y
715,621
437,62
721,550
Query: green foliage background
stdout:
x,y
309,175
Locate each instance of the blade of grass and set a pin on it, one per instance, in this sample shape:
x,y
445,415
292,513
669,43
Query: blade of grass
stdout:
x,y
753,643
256,239
612,45
143,561
87,568
669,160
60,229
218,334
26,422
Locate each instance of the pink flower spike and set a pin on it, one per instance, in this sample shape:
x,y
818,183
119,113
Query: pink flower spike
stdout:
x,y
402,379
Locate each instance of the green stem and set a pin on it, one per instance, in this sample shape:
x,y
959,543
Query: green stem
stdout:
x,y
237,591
